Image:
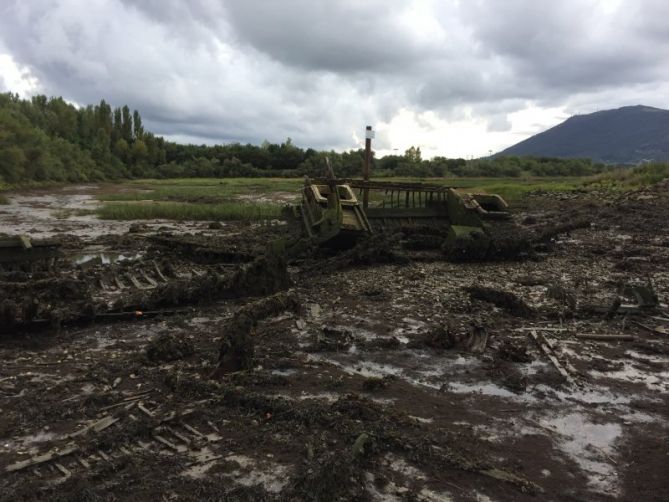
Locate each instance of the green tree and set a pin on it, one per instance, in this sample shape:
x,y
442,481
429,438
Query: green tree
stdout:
x,y
122,150
138,152
138,130
126,124
100,151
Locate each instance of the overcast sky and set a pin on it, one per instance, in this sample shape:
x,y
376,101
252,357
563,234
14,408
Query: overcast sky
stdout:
x,y
455,77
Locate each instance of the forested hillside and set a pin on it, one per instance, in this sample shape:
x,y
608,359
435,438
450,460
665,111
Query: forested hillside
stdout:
x,y
627,135
48,139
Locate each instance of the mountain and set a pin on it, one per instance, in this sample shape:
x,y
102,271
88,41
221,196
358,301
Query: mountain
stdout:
x,y
626,135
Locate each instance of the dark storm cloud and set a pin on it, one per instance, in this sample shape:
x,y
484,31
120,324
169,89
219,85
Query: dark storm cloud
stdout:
x,y
571,46
335,36
246,70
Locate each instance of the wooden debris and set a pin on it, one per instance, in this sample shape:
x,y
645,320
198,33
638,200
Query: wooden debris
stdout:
x,y
659,330
98,426
193,430
178,436
606,338
548,352
540,329
40,459
63,469
144,410
164,441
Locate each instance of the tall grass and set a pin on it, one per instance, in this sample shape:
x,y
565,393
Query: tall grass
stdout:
x,y
181,211
623,179
205,191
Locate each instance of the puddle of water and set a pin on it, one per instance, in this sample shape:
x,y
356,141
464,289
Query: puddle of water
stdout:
x,y
488,389
104,258
43,215
658,382
205,459
330,397
589,395
590,445
422,420
399,465
271,475
28,443
284,372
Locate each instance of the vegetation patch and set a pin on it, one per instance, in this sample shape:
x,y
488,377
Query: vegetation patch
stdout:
x,y
187,211
636,177
203,190
3,200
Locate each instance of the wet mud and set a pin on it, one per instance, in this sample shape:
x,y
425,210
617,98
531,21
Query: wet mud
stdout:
x,y
193,364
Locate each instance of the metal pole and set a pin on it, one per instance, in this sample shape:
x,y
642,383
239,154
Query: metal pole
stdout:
x,y
368,159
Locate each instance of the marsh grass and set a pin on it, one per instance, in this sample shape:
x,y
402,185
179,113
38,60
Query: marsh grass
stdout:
x,y
625,179
203,190
188,211
233,198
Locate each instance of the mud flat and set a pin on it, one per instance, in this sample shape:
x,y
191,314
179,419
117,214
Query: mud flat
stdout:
x,y
390,381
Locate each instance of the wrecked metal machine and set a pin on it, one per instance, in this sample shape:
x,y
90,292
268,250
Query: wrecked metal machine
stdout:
x,y
331,214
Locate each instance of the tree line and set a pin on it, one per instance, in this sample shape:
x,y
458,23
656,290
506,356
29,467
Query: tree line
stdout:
x,y
49,139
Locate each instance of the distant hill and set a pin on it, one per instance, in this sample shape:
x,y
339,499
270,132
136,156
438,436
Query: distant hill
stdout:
x,y
626,135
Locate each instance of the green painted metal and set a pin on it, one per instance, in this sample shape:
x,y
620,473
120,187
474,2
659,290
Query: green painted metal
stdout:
x,y
330,211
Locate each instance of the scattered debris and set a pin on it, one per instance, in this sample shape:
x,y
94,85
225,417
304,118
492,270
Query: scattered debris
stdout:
x,y
605,338
513,350
391,383
168,347
548,351
502,299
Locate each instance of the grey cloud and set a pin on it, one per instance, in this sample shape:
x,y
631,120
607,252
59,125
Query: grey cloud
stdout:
x,y
246,70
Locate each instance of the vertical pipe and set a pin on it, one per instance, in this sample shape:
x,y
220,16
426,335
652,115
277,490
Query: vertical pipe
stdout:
x,y
368,160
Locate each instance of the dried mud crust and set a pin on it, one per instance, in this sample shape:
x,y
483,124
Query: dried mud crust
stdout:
x,y
374,388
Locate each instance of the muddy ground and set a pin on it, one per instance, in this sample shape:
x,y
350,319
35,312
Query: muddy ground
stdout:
x,y
411,379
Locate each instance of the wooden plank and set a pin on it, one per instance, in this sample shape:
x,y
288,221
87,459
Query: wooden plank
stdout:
x,y
40,459
551,356
193,430
606,338
164,441
98,426
144,410
178,436
63,469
